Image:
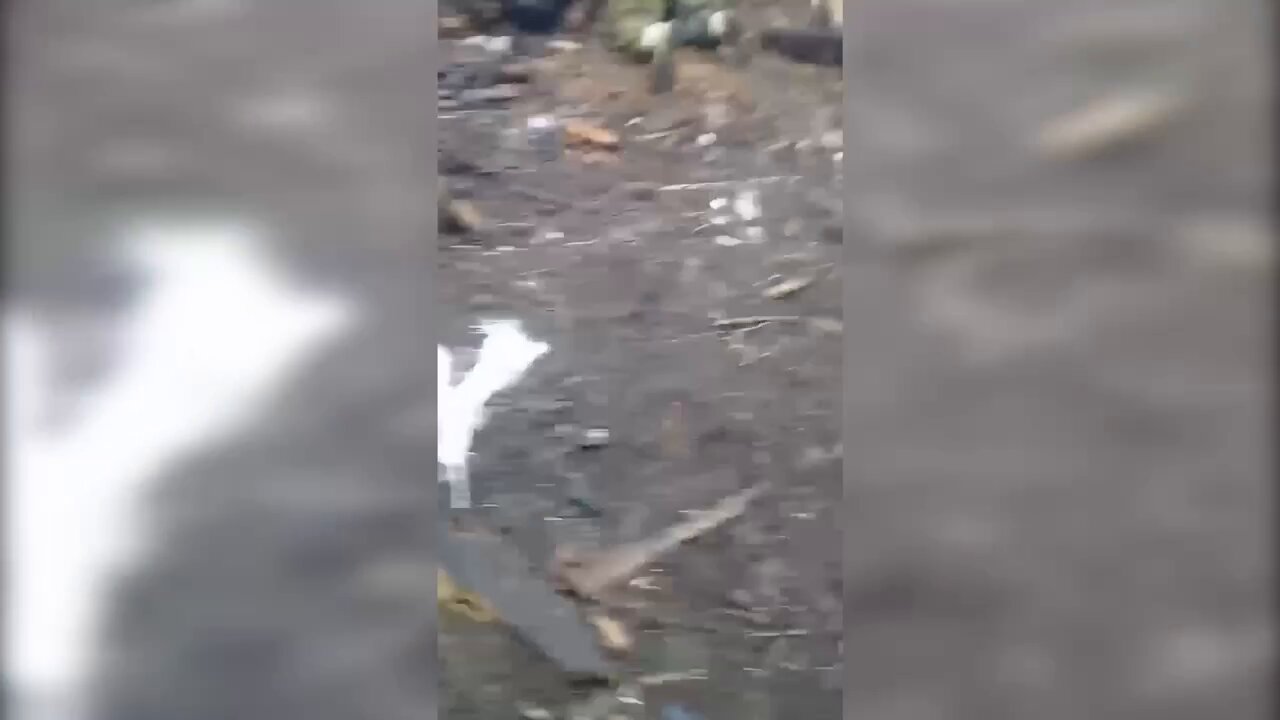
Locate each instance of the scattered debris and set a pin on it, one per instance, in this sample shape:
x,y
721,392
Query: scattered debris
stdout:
x,y
778,634
659,679
594,438
579,132
1107,123
589,576
456,216
613,634
739,323
451,597
496,93
722,183
788,287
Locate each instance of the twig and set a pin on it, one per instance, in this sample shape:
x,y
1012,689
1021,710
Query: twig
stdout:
x,y
589,577
735,323
778,634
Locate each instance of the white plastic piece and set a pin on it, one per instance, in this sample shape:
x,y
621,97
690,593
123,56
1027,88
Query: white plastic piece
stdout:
x,y
504,357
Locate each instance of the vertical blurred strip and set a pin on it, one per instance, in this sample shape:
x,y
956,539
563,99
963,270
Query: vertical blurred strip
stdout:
x,y
242,530
849,169
435,323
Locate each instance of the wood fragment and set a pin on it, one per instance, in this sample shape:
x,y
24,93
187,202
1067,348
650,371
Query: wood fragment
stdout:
x,y
737,323
613,634
457,216
788,287
589,576
579,132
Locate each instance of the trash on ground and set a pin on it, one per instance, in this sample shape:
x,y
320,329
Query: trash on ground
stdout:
x,y
504,356
589,576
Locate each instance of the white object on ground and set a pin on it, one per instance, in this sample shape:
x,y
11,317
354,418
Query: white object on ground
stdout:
x,y
217,332
504,357
655,35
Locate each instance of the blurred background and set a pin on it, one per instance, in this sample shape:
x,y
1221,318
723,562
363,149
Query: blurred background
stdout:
x,y
985,306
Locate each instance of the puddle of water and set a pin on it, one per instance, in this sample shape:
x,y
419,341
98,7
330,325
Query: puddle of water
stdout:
x,y
214,334
504,357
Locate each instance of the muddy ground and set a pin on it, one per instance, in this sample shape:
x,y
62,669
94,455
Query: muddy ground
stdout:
x,y
1016,426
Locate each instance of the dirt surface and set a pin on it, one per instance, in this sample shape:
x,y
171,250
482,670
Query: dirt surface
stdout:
x,y
1016,425
607,256
1053,388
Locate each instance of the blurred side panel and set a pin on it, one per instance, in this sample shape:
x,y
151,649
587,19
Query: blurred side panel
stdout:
x,y
1059,273
218,330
